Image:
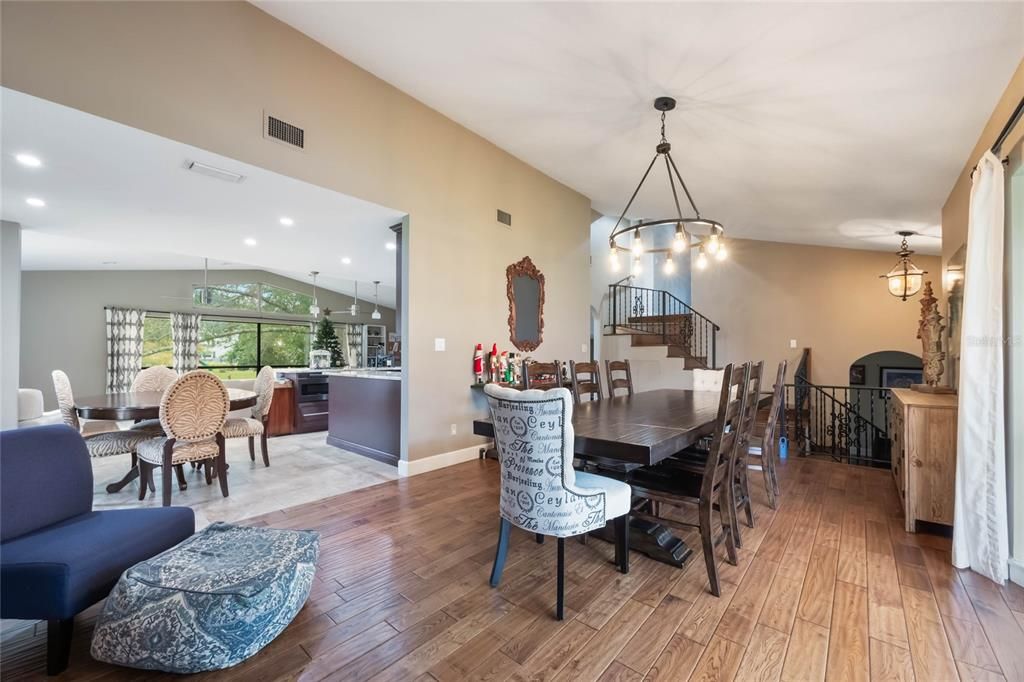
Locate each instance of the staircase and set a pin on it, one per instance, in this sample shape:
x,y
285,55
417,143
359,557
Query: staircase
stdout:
x,y
654,317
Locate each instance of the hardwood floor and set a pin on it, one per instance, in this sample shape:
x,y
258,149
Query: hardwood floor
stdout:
x,y
827,587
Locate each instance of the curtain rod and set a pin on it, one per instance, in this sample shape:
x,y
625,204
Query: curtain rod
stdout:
x,y
1010,124
248,318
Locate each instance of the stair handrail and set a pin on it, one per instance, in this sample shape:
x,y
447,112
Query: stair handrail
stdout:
x,y
820,390
672,297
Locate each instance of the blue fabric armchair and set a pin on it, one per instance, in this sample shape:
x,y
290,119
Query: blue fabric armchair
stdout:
x,y
57,556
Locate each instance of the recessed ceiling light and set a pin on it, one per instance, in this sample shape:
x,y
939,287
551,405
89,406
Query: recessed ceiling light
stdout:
x,y
287,222
346,261
249,241
35,201
390,246
29,160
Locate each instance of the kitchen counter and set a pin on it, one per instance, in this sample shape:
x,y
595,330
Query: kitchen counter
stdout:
x,y
364,412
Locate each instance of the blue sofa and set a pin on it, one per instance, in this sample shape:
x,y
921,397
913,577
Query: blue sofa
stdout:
x,y
57,556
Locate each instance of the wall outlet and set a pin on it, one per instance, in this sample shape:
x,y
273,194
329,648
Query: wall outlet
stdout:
x,y
453,429
439,345
792,343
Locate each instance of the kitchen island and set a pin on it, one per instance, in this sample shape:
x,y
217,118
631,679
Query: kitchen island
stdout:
x,y
364,412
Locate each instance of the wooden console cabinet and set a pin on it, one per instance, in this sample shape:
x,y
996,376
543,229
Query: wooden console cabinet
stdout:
x,y
923,431
282,409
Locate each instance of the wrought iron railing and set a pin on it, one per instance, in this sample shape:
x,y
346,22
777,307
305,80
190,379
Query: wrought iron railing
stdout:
x,y
848,423
656,312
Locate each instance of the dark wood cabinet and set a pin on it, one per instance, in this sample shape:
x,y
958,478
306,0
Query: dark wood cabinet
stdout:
x,y
282,410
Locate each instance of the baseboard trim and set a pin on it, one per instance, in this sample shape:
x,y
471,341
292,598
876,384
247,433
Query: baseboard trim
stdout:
x,y
445,459
363,450
1017,571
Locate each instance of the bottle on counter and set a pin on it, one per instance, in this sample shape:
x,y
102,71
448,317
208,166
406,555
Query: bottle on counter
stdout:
x,y
478,363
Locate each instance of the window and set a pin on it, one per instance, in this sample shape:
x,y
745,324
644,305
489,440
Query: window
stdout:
x,y
231,349
253,296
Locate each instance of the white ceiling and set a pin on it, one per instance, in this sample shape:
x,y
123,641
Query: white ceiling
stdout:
x,y
827,123
120,198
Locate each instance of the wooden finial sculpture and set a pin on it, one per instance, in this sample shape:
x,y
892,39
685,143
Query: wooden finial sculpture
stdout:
x,y
929,330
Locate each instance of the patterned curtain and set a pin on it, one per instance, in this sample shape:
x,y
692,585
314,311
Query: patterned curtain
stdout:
x,y
185,341
124,347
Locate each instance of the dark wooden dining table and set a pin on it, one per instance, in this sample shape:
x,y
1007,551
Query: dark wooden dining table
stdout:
x,y
641,430
136,405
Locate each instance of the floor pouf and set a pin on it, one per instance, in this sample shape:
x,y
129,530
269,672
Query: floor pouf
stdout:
x,y
210,602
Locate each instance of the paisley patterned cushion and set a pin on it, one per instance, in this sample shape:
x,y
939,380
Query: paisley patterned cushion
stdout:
x,y
152,451
114,443
238,427
209,603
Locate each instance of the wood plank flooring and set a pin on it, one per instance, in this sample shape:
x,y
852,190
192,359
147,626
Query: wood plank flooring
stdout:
x,y
829,586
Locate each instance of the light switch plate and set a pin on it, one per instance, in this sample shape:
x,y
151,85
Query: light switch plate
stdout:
x,y
584,347
439,344
792,343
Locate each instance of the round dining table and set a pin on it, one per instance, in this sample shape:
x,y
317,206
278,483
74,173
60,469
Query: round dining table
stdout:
x,y
136,405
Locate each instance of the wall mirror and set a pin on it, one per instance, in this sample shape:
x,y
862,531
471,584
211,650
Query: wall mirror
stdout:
x,y
525,288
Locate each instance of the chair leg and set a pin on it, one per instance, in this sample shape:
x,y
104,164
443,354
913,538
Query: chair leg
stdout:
x,y
729,487
745,493
504,531
622,543
766,473
708,543
263,448
179,469
207,467
145,472
58,644
222,466
166,473
560,601
539,538
727,529
252,449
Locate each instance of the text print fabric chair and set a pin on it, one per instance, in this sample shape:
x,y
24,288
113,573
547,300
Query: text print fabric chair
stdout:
x,y
57,556
192,413
152,379
257,424
540,490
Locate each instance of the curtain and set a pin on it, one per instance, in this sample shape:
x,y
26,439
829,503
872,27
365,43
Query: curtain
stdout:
x,y
980,540
185,341
124,347
343,340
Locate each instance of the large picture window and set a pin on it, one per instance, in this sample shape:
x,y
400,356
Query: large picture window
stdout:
x,y
252,296
232,349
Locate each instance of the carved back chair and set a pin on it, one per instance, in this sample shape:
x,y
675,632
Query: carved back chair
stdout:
x,y
619,383
586,380
542,375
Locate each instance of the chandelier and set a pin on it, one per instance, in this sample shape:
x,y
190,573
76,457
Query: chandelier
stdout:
x,y
698,232
905,278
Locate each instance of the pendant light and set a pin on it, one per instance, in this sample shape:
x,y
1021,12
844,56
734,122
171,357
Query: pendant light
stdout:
x,y
206,299
354,308
905,279
376,288
314,308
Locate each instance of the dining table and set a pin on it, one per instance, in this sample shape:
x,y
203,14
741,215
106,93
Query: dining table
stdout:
x,y
138,405
643,429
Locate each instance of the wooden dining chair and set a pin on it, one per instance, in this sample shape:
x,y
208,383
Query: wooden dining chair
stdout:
x,y
744,431
705,485
586,381
540,490
766,448
542,375
616,383
192,412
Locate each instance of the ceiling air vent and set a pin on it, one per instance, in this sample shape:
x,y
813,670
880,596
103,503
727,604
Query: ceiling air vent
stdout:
x,y
504,218
282,131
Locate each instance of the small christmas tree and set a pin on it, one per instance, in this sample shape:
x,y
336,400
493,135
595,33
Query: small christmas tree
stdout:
x,y
326,339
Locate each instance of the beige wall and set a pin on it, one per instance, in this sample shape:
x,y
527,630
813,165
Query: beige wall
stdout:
x,y
203,73
954,212
830,300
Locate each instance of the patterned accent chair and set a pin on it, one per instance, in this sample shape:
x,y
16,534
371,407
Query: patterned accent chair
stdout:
x,y
99,441
257,424
192,413
57,555
540,490
152,379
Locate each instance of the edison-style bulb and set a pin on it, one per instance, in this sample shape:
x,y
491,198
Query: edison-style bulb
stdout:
x,y
713,244
702,260
637,268
722,254
613,259
679,243
638,244
669,266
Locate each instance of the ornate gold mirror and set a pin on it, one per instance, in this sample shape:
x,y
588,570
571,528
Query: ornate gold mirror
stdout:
x,y
525,288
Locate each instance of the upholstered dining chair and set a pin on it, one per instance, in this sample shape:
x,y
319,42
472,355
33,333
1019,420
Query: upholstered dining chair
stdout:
x,y
192,413
704,483
540,490
707,379
156,378
257,424
766,447
542,375
586,380
625,382
99,441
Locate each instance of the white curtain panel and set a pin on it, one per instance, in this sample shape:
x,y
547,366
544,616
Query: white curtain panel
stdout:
x,y
185,341
980,539
124,347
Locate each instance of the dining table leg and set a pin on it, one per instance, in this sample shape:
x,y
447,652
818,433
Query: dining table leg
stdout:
x,y
116,486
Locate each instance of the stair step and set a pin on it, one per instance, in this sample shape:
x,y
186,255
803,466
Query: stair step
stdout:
x,y
648,319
